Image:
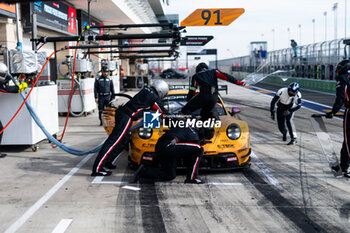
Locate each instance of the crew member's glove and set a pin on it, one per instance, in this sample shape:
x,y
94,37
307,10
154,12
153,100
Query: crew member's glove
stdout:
x,y
286,113
22,87
329,115
273,115
241,83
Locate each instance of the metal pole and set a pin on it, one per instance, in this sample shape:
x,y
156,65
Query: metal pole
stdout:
x,y
174,35
288,29
335,7
273,39
144,56
186,61
325,25
120,46
170,25
34,31
135,51
299,34
345,18
89,22
19,44
313,28
216,59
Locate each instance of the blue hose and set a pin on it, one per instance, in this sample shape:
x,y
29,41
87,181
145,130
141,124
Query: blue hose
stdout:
x,y
50,137
54,140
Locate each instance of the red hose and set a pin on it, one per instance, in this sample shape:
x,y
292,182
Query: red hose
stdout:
x,y
41,46
71,94
36,80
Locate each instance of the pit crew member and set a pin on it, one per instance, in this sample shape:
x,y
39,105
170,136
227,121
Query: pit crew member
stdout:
x,y
207,81
103,91
342,98
174,144
288,101
119,137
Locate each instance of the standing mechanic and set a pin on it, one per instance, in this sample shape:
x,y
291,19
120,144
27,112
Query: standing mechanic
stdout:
x,y
119,137
288,101
342,98
207,80
177,143
104,91
4,88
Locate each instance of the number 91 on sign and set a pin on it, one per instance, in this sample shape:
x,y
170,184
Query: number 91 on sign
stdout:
x,y
212,17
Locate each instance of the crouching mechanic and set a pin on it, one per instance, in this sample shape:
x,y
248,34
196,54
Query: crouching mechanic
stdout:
x,y
5,88
174,144
207,81
342,98
103,91
119,137
288,101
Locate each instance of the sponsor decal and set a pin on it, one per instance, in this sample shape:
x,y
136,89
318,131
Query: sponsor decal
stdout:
x,y
231,159
148,145
223,146
148,158
152,120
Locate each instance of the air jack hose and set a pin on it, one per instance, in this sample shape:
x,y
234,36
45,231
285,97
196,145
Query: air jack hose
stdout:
x,y
50,137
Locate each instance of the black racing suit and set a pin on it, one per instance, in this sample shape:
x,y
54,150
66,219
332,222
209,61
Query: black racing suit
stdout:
x,y
342,93
6,89
208,85
285,114
176,143
119,137
104,92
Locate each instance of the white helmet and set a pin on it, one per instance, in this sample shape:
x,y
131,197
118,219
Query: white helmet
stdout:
x,y
3,72
161,87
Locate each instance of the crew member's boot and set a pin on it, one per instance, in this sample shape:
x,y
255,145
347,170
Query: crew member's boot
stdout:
x,y
292,142
284,137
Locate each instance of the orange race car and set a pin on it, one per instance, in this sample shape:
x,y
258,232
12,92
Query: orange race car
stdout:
x,y
228,149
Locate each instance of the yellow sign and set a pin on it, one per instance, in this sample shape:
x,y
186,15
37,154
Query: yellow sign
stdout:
x,y
212,17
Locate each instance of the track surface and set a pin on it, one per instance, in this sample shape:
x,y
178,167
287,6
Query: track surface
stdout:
x,y
287,189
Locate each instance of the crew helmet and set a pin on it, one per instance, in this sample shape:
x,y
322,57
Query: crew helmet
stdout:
x,y
161,87
293,87
201,66
3,72
343,67
105,69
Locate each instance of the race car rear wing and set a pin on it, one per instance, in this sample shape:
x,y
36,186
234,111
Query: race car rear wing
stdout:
x,y
186,87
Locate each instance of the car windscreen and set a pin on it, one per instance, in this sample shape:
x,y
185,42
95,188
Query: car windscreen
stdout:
x,y
174,103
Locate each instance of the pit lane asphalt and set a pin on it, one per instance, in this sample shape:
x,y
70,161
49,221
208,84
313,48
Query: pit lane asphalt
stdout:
x,y
40,189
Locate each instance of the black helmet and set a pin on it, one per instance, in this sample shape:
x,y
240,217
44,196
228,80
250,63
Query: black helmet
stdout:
x,y
105,69
293,87
343,67
201,66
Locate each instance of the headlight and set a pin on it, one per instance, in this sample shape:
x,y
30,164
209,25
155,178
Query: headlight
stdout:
x,y
145,133
233,132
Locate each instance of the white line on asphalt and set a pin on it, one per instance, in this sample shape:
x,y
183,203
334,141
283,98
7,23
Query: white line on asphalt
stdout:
x,y
16,225
99,180
131,188
62,226
264,169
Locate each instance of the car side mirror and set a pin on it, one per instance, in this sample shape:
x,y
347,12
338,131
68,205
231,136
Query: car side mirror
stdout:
x,y
235,110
